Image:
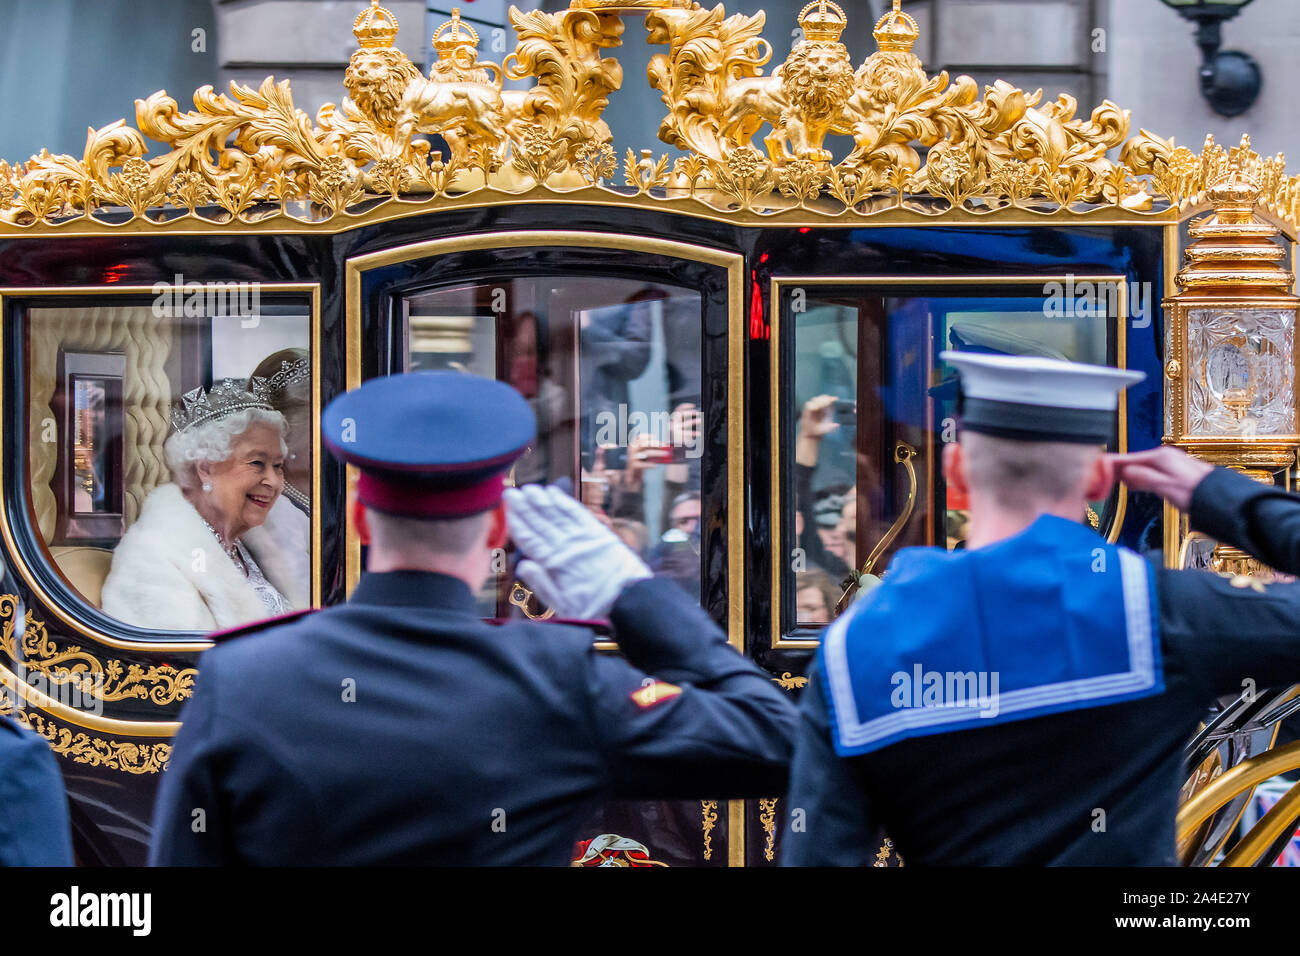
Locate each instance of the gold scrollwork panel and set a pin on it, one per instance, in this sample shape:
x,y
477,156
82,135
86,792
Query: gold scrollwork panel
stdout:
x,y
31,649
709,819
86,748
252,158
767,817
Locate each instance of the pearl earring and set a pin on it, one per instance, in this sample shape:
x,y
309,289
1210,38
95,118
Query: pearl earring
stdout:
x,y
207,486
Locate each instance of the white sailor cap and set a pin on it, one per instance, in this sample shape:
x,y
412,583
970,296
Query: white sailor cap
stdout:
x,y
1028,398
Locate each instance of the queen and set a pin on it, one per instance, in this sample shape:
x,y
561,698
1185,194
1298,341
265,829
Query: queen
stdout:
x,y
199,558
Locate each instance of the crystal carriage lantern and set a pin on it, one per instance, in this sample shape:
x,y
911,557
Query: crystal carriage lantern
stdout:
x,y
1230,369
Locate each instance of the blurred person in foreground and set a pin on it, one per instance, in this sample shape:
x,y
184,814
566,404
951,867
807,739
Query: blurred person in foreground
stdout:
x,y
34,825
401,728
1027,701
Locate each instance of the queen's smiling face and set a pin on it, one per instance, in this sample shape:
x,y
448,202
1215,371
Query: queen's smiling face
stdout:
x,y
245,485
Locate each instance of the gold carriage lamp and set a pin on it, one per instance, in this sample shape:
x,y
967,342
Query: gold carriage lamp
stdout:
x,y
1231,369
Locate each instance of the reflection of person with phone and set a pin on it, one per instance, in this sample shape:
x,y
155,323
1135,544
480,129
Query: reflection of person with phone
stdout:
x,y
816,421
677,556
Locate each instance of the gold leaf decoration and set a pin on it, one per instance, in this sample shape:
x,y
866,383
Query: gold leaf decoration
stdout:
x,y
36,653
645,173
595,161
745,176
767,817
801,180
84,748
709,810
932,146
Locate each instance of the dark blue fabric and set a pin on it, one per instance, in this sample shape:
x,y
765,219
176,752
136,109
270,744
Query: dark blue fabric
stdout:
x,y
34,826
1090,787
463,743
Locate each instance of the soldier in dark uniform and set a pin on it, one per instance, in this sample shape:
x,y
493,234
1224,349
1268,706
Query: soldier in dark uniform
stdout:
x,y
34,829
402,728
1027,701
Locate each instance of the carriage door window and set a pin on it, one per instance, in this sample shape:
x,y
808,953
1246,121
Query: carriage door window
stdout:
x,y
118,507
611,368
872,405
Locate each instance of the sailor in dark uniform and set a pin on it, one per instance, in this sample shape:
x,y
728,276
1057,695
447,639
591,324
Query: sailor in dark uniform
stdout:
x,y
34,828
1027,701
402,728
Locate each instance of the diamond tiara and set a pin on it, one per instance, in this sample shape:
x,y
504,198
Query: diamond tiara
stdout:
x,y
227,397
290,374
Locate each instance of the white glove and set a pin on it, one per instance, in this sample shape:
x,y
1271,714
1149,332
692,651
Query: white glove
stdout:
x,y
573,564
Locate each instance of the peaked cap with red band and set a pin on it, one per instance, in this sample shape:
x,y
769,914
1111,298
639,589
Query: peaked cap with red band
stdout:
x,y
430,444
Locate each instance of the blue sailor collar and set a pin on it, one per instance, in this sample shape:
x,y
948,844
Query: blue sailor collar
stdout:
x,y
1050,620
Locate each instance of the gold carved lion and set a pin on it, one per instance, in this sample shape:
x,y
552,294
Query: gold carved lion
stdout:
x,y
803,100
391,92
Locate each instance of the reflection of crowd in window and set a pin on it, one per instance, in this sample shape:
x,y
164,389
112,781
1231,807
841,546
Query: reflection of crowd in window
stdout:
x,y
615,493
660,451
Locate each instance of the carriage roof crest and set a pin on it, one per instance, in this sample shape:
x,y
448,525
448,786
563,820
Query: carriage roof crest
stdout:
x,y
841,144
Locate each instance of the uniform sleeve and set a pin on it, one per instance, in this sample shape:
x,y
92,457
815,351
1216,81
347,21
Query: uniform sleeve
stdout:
x,y
226,793
34,825
685,716
1230,631
828,820
1262,520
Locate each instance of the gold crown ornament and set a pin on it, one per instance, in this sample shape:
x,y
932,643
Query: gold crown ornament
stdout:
x,y
896,31
612,6
453,35
1239,179
228,396
823,21
375,27
1233,251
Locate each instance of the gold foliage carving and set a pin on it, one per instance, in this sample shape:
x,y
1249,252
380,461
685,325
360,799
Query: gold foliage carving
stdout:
x,y
84,748
767,817
912,143
33,651
709,813
1184,176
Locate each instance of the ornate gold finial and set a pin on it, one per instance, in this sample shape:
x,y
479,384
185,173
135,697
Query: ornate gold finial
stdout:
x,y
1235,185
826,24
896,31
375,27
1234,250
453,35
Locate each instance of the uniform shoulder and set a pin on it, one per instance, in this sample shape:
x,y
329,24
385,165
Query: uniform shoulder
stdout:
x,y
564,636
16,739
256,627
10,729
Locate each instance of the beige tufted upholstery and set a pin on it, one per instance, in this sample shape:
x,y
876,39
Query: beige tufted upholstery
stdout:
x,y
85,569
146,340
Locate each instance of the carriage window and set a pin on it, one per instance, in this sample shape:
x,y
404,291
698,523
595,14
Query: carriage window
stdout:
x,y
158,482
612,369
873,407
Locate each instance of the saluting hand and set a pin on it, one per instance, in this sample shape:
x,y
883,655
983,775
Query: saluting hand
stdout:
x,y
573,563
1166,471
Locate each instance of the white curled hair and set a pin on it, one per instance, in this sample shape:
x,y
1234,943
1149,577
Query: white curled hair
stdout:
x,y
213,442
